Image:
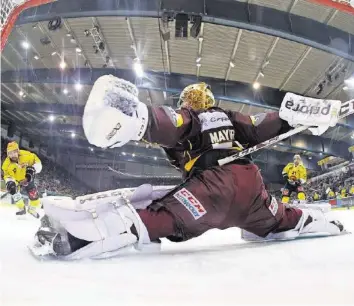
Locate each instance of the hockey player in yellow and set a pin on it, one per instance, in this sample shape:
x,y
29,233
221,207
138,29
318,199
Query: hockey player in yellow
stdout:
x,y
295,175
19,168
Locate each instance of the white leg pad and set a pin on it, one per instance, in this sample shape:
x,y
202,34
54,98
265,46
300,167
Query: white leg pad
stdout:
x,y
106,223
321,223
320,226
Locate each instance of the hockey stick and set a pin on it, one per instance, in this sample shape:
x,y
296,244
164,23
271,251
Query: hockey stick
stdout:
x,y
347,109
4,195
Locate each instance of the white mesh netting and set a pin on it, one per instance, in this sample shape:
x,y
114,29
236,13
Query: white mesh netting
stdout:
x,y
7,7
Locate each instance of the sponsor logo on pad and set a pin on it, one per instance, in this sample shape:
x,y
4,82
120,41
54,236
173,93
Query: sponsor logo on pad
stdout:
x,y
188,200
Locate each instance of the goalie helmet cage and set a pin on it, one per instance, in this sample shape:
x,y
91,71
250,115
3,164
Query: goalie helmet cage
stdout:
x,y
10,10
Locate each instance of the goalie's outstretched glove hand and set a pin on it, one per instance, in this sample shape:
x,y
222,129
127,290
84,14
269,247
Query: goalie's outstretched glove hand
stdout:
x,y
317,114
113,114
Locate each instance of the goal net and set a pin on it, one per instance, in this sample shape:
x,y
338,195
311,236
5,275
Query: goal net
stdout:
x,y
10,10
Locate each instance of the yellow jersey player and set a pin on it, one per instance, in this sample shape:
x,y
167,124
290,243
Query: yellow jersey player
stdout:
x,y
19,168
295,175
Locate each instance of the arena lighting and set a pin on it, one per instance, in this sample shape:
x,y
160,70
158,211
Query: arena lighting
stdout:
x,y
138,68
21,93
155,157
181,26
62,65
198,59
73,135
65,91
51,118
123,153
256,85
232,65
91,149
78,50
36,57
133,154
78,87
25,45
195,29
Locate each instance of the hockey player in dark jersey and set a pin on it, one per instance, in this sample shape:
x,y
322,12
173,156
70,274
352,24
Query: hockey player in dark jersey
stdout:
x,y
195,137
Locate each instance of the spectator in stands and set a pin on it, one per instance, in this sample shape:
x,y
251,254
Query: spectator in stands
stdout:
x,y
316,196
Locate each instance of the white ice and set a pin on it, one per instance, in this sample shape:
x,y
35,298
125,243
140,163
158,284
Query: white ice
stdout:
x,y
215,269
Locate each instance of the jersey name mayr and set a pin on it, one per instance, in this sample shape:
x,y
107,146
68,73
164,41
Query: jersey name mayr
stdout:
x,y
218,126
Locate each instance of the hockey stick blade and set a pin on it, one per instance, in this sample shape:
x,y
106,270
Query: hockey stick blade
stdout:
x,y
347,109
4,195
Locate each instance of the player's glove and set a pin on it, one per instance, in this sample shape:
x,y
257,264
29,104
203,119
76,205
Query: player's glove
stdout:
x,y
286,177
113,114
30,173
11,187
317,114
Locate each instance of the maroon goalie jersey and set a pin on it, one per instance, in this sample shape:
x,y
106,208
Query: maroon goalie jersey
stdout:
x,y
212,196
199,138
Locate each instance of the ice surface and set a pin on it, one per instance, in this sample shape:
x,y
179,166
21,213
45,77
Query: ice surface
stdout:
x,y
214,269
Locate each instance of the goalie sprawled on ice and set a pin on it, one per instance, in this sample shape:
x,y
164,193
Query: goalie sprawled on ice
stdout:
x,y
195,137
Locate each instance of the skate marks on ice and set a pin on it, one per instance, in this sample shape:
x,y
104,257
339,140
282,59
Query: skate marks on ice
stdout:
x,y
214,269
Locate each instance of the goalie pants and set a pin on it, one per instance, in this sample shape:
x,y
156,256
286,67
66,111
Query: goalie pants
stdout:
x,y
221,197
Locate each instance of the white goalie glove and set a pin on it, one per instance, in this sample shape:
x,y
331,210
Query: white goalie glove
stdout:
x,y
113,114
317,114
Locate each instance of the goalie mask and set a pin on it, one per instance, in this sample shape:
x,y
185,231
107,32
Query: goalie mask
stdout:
x,y
197,96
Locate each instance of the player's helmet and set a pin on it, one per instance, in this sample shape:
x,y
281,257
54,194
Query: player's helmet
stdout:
x,y
197,96
12,150
12,146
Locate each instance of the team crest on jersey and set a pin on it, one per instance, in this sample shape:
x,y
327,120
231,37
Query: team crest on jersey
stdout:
x,y
188,200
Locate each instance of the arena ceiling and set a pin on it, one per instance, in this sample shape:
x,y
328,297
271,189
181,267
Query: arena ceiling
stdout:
x,y
50,72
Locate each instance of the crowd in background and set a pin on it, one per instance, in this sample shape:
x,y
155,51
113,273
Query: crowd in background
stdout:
x,y
56,180
339,185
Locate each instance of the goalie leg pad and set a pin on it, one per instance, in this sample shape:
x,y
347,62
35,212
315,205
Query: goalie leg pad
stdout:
x,y
313,223
107,226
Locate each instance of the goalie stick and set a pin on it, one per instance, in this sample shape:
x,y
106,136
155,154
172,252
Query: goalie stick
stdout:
x,y
347,108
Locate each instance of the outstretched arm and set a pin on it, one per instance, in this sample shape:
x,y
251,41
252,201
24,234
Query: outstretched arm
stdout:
x,y
252,130
113,116
167,127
